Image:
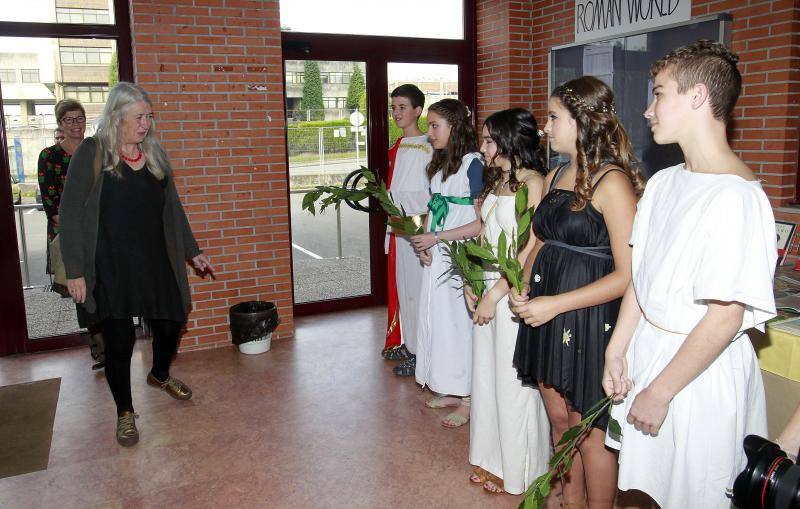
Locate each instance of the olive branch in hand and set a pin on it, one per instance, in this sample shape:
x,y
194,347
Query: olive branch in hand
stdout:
x,y
326,196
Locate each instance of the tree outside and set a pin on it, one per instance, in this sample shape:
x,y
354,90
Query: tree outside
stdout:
x,y
356,89
312,91
113,71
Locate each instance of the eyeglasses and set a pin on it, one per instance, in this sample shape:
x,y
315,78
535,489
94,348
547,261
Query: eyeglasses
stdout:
x,y
72,120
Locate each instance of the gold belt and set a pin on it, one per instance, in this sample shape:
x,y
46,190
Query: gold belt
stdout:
x,y
419,220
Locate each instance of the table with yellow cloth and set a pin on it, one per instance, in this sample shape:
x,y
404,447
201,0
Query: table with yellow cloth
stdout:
x,y
779,356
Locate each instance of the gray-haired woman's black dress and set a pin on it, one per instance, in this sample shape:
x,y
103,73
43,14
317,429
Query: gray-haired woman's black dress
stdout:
x,y
134,276
568,352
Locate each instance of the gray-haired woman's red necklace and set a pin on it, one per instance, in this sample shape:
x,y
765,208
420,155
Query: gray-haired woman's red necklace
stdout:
x,y
131,159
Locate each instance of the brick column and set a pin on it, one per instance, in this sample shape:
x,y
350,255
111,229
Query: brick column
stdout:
x,y
214,71
506,61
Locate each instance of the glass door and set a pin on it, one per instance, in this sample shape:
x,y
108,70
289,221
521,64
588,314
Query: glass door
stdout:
x,y
326,140
339,260
35,74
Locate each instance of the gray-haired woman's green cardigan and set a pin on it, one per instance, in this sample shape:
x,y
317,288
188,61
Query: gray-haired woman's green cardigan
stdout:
x,y
79,216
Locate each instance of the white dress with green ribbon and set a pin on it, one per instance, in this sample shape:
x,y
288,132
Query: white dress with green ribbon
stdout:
x,y
444,331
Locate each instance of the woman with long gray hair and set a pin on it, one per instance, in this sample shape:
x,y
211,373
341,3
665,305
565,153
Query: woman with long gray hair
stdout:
x,y
125,240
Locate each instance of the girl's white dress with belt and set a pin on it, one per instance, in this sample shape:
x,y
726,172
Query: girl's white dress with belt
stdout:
x,y
697,237
444,331
509,430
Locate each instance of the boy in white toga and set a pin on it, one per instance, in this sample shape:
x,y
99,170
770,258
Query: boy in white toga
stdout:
x,y
409,188
704,254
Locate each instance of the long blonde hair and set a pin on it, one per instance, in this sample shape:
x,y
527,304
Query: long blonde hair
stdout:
x,y
602,138
120,98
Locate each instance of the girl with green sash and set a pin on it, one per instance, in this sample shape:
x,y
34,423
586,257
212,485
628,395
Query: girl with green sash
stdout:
x,y
444,331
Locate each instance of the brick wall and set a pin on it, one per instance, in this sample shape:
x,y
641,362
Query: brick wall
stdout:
x,y
514,38
766,34
213,69
505,55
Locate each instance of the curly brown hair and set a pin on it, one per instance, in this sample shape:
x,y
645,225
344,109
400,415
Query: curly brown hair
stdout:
x,y
709,63
463,138
516,135
602,139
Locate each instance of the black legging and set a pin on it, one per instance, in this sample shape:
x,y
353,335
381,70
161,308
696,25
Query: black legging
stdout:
x,y
119,336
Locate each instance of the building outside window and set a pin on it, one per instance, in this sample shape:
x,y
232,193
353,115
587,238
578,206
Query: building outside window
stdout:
x,y
91,16
335,77
334,102
294,77
8,76
30,75
87,93
85,55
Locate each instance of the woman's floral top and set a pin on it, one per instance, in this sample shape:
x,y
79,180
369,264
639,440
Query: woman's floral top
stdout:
x,y
53,163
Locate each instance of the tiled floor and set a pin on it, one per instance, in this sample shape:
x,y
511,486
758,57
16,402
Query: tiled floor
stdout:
x,y
319,421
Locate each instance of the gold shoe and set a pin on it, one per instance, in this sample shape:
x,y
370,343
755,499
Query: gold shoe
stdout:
x,y
127,434
172,386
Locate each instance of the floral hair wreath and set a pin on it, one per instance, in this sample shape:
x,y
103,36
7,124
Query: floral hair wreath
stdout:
x,y
581,104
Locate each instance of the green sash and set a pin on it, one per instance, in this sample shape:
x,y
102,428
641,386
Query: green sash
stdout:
x,y
439,207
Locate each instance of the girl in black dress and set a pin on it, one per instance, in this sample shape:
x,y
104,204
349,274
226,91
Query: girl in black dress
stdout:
x,y
578,271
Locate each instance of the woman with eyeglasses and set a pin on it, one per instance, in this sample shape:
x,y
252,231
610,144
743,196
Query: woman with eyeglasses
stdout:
x,y
52,172
54,160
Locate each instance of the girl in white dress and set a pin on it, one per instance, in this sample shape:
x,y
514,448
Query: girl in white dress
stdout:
x,y
509,431
704,253
444,329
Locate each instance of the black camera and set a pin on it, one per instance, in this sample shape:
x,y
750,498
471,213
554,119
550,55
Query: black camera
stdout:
x,y
770,480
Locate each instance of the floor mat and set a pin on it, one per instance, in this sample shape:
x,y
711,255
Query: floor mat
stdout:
x,y
27,412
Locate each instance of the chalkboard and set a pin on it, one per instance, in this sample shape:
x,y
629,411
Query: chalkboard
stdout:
x,y
624,64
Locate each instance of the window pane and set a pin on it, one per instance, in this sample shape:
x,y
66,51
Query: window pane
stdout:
x,y
326,141
28,111
44,11
442,19
30,75
8,76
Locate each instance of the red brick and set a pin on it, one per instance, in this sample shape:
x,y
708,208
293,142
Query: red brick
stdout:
x,y
192,59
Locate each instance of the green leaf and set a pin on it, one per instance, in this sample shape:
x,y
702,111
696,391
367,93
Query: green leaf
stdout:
x,y
544,488
558,457
614,428
567,465
538,500
568,435
521,199
308,203
502,247
523,229
369,175
480,251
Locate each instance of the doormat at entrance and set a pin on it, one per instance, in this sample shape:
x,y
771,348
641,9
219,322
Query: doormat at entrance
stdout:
x,y
27,412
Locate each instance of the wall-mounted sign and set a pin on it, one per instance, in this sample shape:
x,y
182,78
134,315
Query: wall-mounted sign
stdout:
x,y
606,19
